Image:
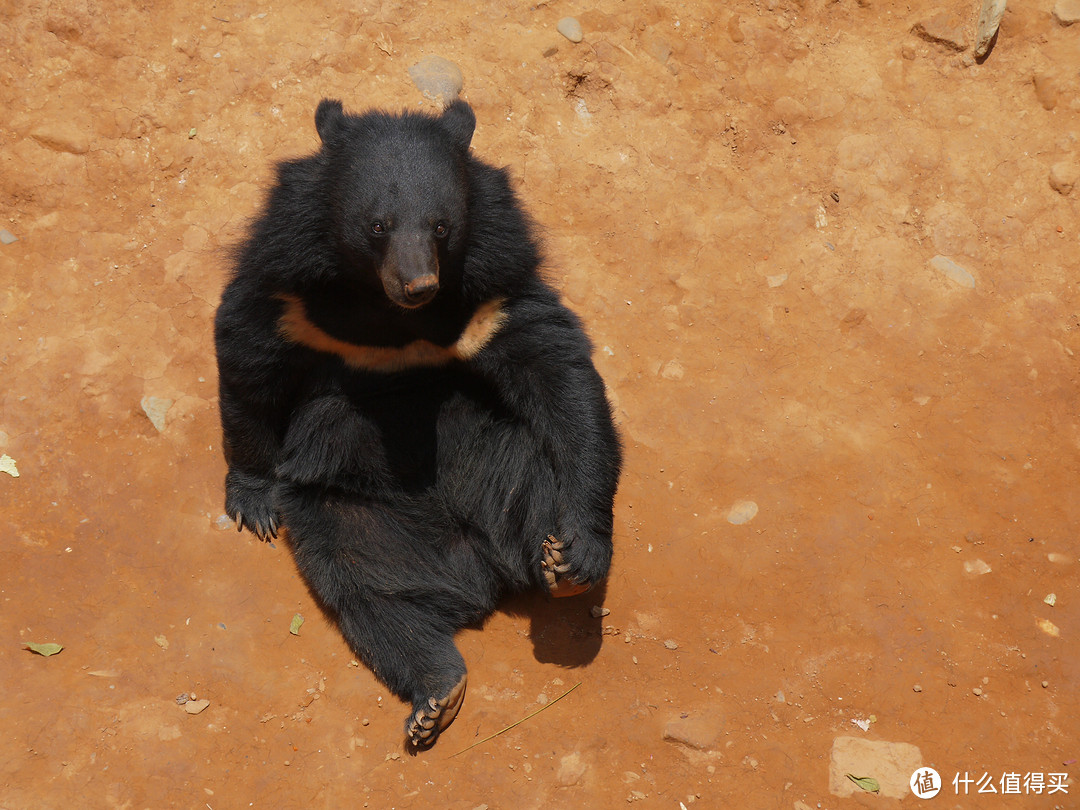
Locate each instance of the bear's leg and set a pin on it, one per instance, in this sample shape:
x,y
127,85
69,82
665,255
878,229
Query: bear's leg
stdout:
x,y
496,474
414,657
398,597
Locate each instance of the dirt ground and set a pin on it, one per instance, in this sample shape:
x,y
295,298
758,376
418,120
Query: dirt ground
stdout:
x,y
830,267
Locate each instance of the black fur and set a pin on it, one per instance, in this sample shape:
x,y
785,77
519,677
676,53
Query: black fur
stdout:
x,y
414,495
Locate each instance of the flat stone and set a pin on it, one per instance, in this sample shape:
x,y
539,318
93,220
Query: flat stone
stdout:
x,y
570,28
672,370
155,409
196,706
437,78
953,271
7,237
890,763
1067,12
742,512
977,568
698,732
7,465
658,49
572,769
790,110
1047,90
989,20
944,29
62,136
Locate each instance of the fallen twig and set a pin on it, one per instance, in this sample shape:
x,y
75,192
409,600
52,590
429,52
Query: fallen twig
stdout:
x,y
519,722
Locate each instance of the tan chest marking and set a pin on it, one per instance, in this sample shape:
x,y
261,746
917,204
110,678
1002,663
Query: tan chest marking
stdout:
x,y
296,327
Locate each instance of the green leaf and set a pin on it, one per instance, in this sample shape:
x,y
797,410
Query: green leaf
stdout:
x,y
294,627
865,782
44,649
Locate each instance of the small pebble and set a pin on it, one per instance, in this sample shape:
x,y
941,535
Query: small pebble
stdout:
x,y
671,645
7,237
977,692
365,722
1046,684
598,612
916,688
195,706
571,29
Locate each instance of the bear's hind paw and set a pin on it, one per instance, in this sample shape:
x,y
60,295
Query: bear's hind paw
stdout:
x,y
556,569
433,717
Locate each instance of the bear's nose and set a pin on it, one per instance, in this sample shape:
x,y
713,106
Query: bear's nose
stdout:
x,y
422,289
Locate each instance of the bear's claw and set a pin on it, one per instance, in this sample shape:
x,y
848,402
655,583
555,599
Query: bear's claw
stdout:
x,y
555,570
433,717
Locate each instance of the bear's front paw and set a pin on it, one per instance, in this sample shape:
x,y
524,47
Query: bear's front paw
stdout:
x,y
249,502
567,573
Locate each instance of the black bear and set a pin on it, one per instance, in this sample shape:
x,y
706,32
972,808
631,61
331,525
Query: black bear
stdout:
x,y
402,391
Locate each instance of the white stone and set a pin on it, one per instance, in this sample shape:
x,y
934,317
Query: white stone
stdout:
x,y
155,409
571,29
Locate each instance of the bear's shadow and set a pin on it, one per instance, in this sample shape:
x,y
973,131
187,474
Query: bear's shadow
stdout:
x,y
563,631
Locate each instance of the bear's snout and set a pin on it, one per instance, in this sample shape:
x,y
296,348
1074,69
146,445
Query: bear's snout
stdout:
x,y
410,271
422,289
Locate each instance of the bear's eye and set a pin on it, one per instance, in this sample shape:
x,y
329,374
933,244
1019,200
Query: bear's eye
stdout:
x,y
378,228
441,229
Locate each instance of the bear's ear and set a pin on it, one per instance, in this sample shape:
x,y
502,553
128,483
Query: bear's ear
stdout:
x,y
329,117
459,120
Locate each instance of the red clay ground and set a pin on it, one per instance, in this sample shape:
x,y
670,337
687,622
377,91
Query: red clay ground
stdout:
x,y
742,201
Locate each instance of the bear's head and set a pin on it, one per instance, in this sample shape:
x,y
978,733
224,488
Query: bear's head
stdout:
x,y
398,189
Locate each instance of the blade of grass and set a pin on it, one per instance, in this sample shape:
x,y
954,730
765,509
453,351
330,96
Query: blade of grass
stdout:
x,y
545,707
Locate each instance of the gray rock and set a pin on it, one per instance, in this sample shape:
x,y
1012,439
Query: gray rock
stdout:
x,y
7,237
989,20
953,271
437,78
571,29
